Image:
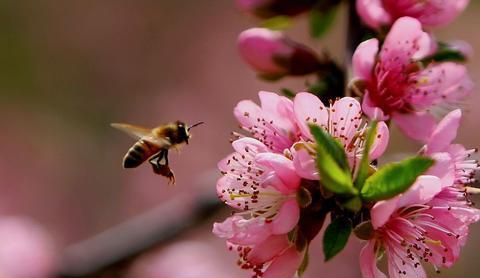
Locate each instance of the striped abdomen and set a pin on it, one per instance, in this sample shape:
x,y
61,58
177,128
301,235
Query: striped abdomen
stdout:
x,y
138,153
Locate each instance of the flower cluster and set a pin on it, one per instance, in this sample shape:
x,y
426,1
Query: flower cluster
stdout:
x,y
312,157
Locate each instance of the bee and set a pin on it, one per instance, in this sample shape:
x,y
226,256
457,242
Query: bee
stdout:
x,y
153,145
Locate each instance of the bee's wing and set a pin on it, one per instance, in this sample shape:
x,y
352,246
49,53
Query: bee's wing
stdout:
x,y
139,132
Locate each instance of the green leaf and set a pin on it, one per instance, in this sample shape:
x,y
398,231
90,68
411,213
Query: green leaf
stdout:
x,y
276,23
287,92
336,237
444,55
394,178
270,77
333,176
365,161
330,145
320,21
303,266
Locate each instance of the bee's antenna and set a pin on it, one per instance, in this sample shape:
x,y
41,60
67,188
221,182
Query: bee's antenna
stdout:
x,y
192,126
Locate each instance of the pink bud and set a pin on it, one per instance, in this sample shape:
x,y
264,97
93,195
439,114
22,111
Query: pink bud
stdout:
x,y
271,52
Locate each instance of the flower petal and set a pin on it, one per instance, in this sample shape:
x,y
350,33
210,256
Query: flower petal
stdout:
x,y
364,59
444,168
309,109
368,262
381,141
238,230
285,265
418,126
421,192
305,165
445,132
266,250
382,211
282,168
286,218
345,119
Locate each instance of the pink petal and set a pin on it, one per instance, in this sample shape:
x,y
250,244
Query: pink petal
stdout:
x,y
403,42
282,166
305,165
445,132
238,230
285,265
286,218
381,141
266,250
439,83
309,109
279,109
345,117
368,262
417,126
364,59
371,110
373,13
382,211
247,113
446,11
421,192
249,146
444,168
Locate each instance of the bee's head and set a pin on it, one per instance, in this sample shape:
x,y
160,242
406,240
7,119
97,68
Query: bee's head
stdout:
x,y
183,134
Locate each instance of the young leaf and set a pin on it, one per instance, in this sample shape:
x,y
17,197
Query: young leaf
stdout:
x,y
330,145
365,162
336,237
334,177
276,23
320,21
394,178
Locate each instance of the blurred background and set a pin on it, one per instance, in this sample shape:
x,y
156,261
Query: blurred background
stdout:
x,y
70,68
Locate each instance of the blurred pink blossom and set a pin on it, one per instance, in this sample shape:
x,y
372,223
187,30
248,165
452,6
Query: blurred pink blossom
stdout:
x,y
431,13
26,250
272,53
397,87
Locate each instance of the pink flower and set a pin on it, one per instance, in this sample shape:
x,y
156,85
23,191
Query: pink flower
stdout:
x,y
453,159
416,227
431,13
397,87
262,185
27,251
342,120
272,53
273,123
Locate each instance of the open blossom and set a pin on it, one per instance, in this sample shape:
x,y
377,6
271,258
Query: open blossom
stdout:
x,y
378,13
414,228
343,121
272,53
262,185
459,166
398,87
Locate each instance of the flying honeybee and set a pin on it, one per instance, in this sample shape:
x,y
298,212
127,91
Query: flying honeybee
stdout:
x,y
153,145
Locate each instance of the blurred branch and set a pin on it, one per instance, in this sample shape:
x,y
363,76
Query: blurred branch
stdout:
x,y
109,253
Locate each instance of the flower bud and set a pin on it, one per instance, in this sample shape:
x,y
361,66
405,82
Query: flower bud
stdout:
x,y
270,8
272,53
